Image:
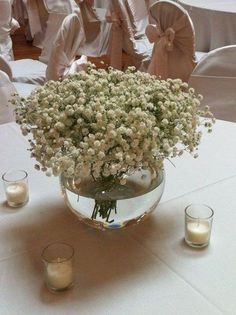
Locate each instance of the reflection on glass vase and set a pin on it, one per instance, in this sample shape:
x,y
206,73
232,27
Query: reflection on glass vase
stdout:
x,y
109,205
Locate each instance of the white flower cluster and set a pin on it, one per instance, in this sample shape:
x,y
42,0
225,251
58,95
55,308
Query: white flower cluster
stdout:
x,y
110,123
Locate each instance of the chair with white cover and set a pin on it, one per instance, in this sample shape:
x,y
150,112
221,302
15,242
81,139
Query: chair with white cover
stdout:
x,y
57,10
37,17
24,70
97,31
62,60
172,33
65,47
23,89
7,91
5,66
7,26
215,79
128,34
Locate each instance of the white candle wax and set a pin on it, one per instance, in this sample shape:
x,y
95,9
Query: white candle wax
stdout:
x,y
198,232
59,274
17,193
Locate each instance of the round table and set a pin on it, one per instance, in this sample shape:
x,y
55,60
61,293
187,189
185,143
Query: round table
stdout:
x,y
214,22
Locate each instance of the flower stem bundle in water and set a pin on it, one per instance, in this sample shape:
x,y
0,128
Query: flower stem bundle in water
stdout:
x,y
104,209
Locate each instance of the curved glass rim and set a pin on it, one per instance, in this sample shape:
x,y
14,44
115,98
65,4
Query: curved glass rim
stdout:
x,y
199,204
63,258
17,180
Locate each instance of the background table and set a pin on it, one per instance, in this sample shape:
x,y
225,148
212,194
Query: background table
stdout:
x,y
214,22
146,269
218,92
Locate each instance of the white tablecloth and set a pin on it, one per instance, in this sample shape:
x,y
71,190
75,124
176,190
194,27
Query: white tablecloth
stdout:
x,y
216,5
146,269
214,22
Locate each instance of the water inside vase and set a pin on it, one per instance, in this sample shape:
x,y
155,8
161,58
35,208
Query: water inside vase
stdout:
x,y
138,196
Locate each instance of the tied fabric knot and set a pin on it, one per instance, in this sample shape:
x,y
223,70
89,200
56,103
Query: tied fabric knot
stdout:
x,y
155,34
173,38
163,43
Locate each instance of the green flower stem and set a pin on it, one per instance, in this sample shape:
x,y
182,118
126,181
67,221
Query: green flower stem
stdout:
x,y
104,209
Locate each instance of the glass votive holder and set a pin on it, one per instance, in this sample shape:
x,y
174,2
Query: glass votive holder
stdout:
x,y
16,187
58,266
198,224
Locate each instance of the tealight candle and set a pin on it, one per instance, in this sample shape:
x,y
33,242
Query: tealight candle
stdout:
x,y
198,222
198,232
59,274
17,193
58,263
16,187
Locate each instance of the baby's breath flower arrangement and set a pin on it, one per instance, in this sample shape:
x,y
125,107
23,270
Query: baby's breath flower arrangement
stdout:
x,y
107,124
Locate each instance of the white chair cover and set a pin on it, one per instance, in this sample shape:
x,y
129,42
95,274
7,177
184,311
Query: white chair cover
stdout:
x,y
53,25
78,65
68,40
7,91
37,20
7,26
28,71
218,62
58,10
97,32
5,66
172,32
215,78
24,70
24,89
60,6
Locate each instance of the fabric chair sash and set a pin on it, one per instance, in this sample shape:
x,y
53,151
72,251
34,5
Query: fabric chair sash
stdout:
x,y
92,23
122,33
116,39
165,40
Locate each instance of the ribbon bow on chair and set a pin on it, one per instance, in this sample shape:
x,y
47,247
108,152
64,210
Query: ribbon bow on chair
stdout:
x,y
155,34
163,44
175,41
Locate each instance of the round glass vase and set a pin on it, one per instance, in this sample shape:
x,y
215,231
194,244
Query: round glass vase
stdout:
x,y
110,205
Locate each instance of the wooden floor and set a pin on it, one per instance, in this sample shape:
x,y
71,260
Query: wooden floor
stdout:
x,y
23,49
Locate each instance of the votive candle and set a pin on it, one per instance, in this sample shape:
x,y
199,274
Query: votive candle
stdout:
x,y
59,274
58,266
16,187
198,224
